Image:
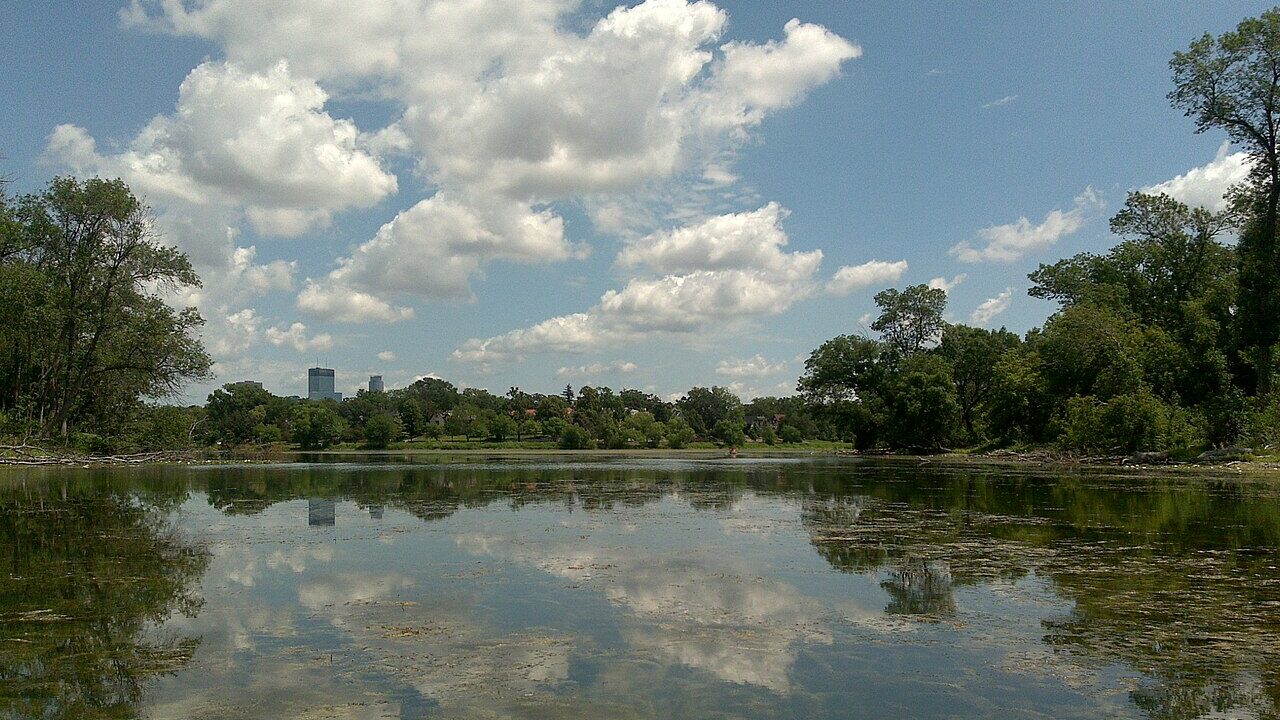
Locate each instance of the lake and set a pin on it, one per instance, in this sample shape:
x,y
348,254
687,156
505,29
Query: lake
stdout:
x,y
413,587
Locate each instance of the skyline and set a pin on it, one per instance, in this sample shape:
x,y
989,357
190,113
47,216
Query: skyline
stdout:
x,y
521,217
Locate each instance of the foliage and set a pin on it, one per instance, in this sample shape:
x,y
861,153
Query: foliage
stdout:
x,y
705,408
84,331
316,425
679,434
910,318
575,437
381,431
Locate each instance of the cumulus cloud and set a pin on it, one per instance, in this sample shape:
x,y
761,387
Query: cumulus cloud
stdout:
x,y
295,336
506,107
745,277
1206,186
387,356
856,277
991,307
257,140
342,303
433,250
617,367
753,367
1006,243
942,283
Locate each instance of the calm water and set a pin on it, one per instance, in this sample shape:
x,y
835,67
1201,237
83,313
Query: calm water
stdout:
x,y
646,589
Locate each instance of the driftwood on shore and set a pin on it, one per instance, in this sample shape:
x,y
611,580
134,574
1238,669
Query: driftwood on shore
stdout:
x,y
28,454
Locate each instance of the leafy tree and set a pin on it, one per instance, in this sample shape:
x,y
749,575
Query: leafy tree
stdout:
x,y
552,407
678,433
1231,83
923,413
973,354
575,437
1020,404
790,434
644,429
704,408
231,412
729,433
910,318
381,431
84,331
467,420
841,369
502,426
316,425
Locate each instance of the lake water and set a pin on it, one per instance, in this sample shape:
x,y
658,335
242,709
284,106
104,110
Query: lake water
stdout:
x,y
402,588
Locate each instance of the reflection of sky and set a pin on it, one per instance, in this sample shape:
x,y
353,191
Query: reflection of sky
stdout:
x,y
658,610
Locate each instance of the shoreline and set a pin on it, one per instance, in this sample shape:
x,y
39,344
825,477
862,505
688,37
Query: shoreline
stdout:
x,y
999,459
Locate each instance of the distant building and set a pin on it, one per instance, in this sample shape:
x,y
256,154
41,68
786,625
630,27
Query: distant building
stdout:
x,y
320,384
375,384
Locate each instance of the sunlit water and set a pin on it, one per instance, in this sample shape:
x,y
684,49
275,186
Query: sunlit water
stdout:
x,y
647,589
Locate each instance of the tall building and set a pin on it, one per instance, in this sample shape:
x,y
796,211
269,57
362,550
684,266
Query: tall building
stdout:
x,y
375,383
320,384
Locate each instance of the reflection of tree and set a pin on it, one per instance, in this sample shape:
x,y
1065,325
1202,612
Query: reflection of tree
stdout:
x,y
920,587
89,575
1175,579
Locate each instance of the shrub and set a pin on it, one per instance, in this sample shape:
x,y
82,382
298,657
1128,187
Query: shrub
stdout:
x,y
1126,423
575,437
791,434
679,434
316,426
729,433
381,430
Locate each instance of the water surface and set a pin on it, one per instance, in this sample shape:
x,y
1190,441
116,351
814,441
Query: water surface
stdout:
x,y
636,588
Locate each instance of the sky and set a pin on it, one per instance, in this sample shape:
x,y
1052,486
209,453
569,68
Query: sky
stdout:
x,y
654,195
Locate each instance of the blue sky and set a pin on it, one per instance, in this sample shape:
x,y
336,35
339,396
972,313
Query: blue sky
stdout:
x,y
541,193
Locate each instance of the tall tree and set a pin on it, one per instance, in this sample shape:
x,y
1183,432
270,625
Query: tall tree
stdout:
x,y
1232,83
910,318
82,276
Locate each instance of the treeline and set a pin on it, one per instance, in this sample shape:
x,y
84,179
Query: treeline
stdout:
x,y
432,409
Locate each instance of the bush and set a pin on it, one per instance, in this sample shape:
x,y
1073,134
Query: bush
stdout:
x,y
768,436
381,430
729,433
1262,423
679,434
91,444
1126,423
316,426
791,434
575,437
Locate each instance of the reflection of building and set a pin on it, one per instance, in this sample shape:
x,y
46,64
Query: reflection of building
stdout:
x,y
321,512
320,384
375,383
375,512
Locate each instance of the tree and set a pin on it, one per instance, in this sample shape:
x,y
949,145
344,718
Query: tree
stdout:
x,y
703,408
467,420
678,433
1231,83
316,425
381,430
230,411
729,433
973,354
644,429
923,412
502,426
82,260
911,317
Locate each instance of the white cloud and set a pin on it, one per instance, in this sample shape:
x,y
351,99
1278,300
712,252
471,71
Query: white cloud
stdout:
x,y
257,140
1006,243
1206,185
236,332
739,241
990,308
942,283
750,278
433,250
856,277
387,356
295,336
617,367
755,367
341,303
999,102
